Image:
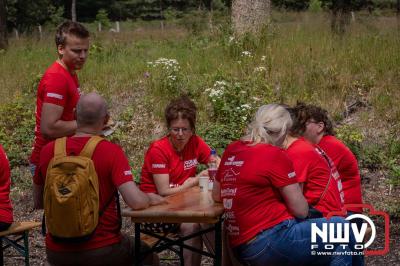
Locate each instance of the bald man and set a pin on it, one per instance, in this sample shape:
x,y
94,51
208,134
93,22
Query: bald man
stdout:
x,y
107,246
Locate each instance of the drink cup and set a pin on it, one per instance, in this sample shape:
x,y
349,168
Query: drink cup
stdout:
x,y
203,183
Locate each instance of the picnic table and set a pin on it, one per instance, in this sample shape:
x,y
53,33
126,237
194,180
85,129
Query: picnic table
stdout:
x,y
188,206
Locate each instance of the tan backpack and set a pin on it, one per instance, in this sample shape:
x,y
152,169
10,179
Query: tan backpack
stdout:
x,y
71,193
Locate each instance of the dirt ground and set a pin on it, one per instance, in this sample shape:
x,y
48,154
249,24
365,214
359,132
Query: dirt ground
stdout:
x,y
375,191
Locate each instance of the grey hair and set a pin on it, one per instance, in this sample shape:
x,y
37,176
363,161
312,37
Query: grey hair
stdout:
x,y
270,124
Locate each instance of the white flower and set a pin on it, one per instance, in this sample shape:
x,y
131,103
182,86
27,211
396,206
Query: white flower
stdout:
x,y
172,77
244,118
263,58
247,54
231,39
260,69
216,93
245,106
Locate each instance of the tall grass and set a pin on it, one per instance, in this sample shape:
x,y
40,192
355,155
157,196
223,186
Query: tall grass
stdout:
x,y
303,61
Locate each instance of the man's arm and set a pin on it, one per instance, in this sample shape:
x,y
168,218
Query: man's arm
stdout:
x,y
38,196
51,126
133,196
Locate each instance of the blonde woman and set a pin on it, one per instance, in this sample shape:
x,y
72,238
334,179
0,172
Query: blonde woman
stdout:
x,y
263,201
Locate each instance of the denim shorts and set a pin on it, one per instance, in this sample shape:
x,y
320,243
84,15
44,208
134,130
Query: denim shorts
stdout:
x,y
289,243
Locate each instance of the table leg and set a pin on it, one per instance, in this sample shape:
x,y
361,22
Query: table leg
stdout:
x,y
26,244
137,245
218,244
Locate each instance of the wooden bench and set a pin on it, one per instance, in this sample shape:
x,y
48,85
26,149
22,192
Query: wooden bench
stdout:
x,y
152,241
19,231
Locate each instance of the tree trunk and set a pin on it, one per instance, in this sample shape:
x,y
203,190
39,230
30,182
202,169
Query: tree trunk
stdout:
x,y
3,25
340,16
73,10
250,15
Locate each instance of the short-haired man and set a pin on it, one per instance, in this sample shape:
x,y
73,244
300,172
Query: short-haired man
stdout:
x,y
107,246
58,90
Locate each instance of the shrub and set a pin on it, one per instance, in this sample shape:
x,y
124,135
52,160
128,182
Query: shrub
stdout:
x,y
16,129
315,6
352,138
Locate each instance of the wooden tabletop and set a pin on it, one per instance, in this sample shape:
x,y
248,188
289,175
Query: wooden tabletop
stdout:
x,y
189,206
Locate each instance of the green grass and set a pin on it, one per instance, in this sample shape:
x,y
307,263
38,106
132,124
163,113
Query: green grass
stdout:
x,y
303,61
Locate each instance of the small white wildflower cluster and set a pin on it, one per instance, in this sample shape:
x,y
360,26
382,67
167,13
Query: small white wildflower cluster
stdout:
x,y
247,54
171,66
168,64
260,69
244,108
263,58
217,91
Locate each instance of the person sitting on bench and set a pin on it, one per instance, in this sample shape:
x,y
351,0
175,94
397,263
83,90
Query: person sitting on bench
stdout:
x,y
106,245
6,211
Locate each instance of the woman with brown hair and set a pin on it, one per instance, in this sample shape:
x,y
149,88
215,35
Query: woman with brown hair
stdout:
x,y
170,163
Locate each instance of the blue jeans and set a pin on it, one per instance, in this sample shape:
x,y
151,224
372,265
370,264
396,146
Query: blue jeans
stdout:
x,y
289,243
32,169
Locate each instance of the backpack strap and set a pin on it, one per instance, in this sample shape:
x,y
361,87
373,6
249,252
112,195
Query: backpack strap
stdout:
x,y
88,150
60,147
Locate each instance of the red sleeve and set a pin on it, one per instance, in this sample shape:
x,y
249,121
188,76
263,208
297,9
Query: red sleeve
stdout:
x,y
157,161
121,171
204,151
4,167
55,89
46,154
302,166
280,169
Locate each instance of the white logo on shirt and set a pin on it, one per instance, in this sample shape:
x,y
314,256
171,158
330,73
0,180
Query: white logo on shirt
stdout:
x,y
128,172
190,164
228,204
233,230
55,95
230,215
228,192
291,175
231,161
158,165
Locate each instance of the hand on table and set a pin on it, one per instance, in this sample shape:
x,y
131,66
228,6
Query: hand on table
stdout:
x,y
156,199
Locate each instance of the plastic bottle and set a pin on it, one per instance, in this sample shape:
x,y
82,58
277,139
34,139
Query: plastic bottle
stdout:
x,y
212,168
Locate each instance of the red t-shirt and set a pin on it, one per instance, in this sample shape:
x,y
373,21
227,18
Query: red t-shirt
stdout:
x,y
346,164
313,170
59,87
6,211
162,158
113,170
250,178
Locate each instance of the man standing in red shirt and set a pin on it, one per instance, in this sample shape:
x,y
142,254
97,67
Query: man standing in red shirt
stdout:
x,y
6,211
58,90
107,246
